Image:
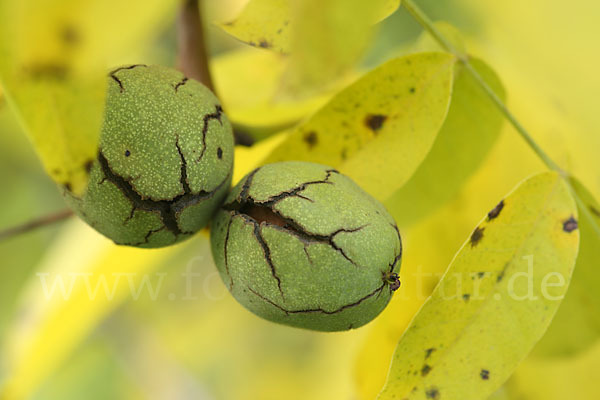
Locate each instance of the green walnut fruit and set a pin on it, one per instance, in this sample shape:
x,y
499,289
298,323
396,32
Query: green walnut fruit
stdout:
x,y
300,244
164,162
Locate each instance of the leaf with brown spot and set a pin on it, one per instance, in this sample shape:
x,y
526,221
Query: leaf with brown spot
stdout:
x,y
58,93
402,141
476,236
576,325
375,121
311,139
496,211
570,225
324,39
494,328
272,21
468,134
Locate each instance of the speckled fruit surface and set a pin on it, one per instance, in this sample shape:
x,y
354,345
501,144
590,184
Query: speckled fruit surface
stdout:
x,y
164,162
301,244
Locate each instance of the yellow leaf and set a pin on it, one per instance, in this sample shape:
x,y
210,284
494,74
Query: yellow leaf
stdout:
x,y
576,325
269,23
247,81
248,158
387,120
53,61
324,39
327,40
470,130
430,246
53,319
263,23
495,300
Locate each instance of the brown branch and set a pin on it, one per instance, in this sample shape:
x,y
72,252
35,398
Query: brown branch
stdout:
x,y
192,58
34,224
192,54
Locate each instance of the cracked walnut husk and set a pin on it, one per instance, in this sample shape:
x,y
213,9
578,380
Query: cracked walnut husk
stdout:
x,y
164,160
300,244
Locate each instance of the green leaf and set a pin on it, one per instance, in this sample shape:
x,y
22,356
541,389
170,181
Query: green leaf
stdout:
x,y
576,325
495,300
471,129
379,129
53,61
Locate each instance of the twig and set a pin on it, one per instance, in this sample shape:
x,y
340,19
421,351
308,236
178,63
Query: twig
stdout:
x,y
428,25
192,57
34,224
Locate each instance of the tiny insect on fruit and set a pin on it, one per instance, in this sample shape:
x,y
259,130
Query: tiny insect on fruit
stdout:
x,y
164,161
301,244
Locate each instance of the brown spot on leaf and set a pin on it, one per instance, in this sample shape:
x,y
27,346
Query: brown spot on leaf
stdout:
x,y
466,297
432,393
570,225
375,121
412,90
477,236
264,44
485,374
344,153
501,274
496,211
428,352
425,370
48,70
595,211
69,35
67,185
311,139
